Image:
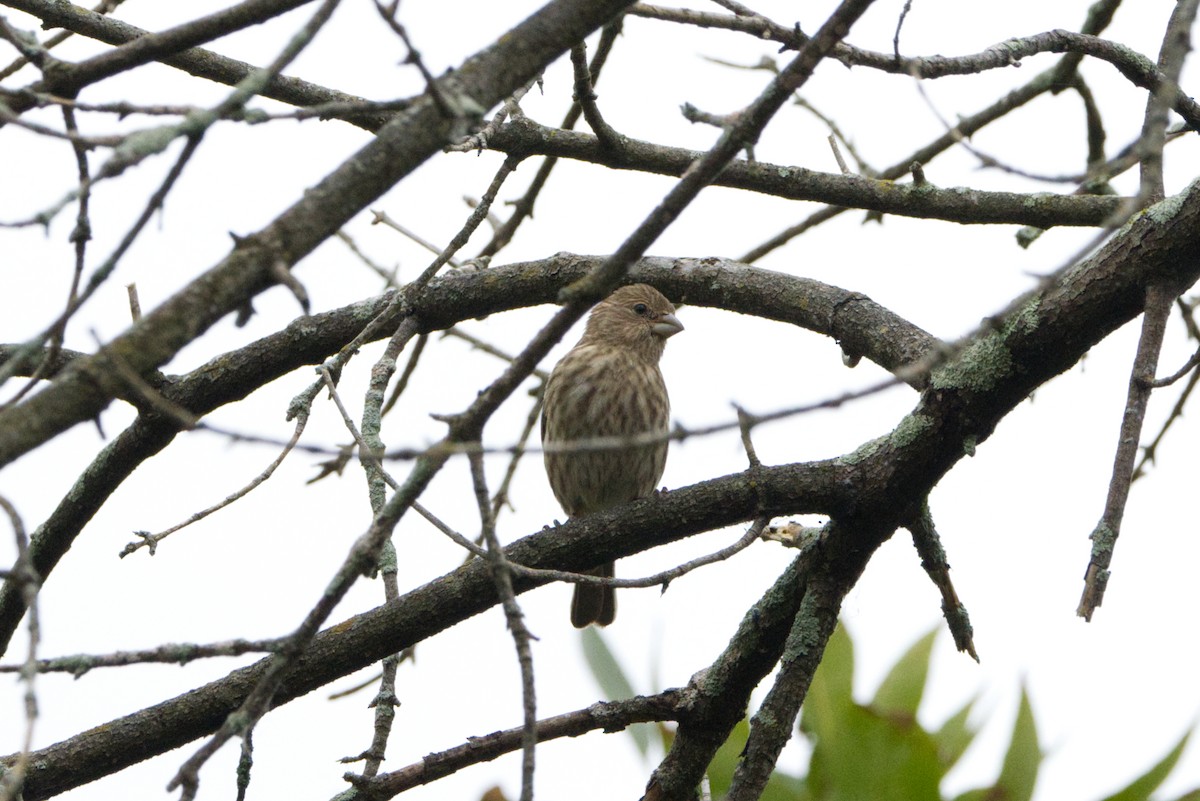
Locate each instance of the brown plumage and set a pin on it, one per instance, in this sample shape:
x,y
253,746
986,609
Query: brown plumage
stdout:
x,y
609,385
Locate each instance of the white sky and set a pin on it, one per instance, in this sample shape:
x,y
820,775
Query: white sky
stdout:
x,y
1110,697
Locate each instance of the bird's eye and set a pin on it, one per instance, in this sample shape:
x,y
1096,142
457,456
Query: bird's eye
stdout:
x,y
640,309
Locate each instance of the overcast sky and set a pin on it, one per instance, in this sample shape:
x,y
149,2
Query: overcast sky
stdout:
x,y
1110,697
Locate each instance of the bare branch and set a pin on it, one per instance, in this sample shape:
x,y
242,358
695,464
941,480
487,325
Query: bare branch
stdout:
x,y
1159,299
798,183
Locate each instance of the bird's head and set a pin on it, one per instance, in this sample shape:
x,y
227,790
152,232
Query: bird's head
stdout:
x,y
636,317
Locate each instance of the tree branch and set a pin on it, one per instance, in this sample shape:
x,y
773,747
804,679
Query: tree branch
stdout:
x,y
1137,68
870,492
80,391
772,725
608,716
526,137
860,325
137,47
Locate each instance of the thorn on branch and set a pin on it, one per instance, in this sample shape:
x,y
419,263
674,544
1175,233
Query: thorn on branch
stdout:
x,y
244,313
918,174
281,273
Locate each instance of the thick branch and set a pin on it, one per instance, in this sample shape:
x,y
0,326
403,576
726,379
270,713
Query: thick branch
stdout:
x,y
135,46
195,61
722,692
870,493
772,725
84,388
523,136
861,327
607,716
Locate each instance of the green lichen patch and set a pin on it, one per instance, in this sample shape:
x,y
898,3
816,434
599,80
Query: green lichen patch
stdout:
x,y
864,451
911,428
984,363
988,360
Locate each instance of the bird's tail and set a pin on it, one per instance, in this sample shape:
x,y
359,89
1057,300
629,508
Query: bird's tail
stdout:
x,y
594,603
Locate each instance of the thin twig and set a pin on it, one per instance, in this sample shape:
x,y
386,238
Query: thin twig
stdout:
x,y
837,155
477,216
662,579
488,348
746,422
370,443
845,142
388,14
501,498
1159,299
150,541
382,218
80,236
1150,451
478,140
30,582
1104,536
679,433
410,367
523,208
140,389
899,26
604,715
502,576
101,273
258,701
389,276
79,665
585,96
104,7
1172,53
1048,81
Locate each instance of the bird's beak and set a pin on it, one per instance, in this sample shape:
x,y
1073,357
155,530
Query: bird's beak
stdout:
x,y
667,326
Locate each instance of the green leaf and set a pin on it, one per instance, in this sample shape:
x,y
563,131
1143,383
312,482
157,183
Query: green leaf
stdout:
x,y
1018,775
830,694
724,762
973,795
955,736
780,787
1141,788
900,692
1191,795
604,666
876,758
666,734
612,680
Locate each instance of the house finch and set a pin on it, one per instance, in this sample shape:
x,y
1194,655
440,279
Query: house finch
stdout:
x,y
609,385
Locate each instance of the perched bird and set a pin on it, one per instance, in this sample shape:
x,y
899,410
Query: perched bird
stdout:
x,y
609,385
